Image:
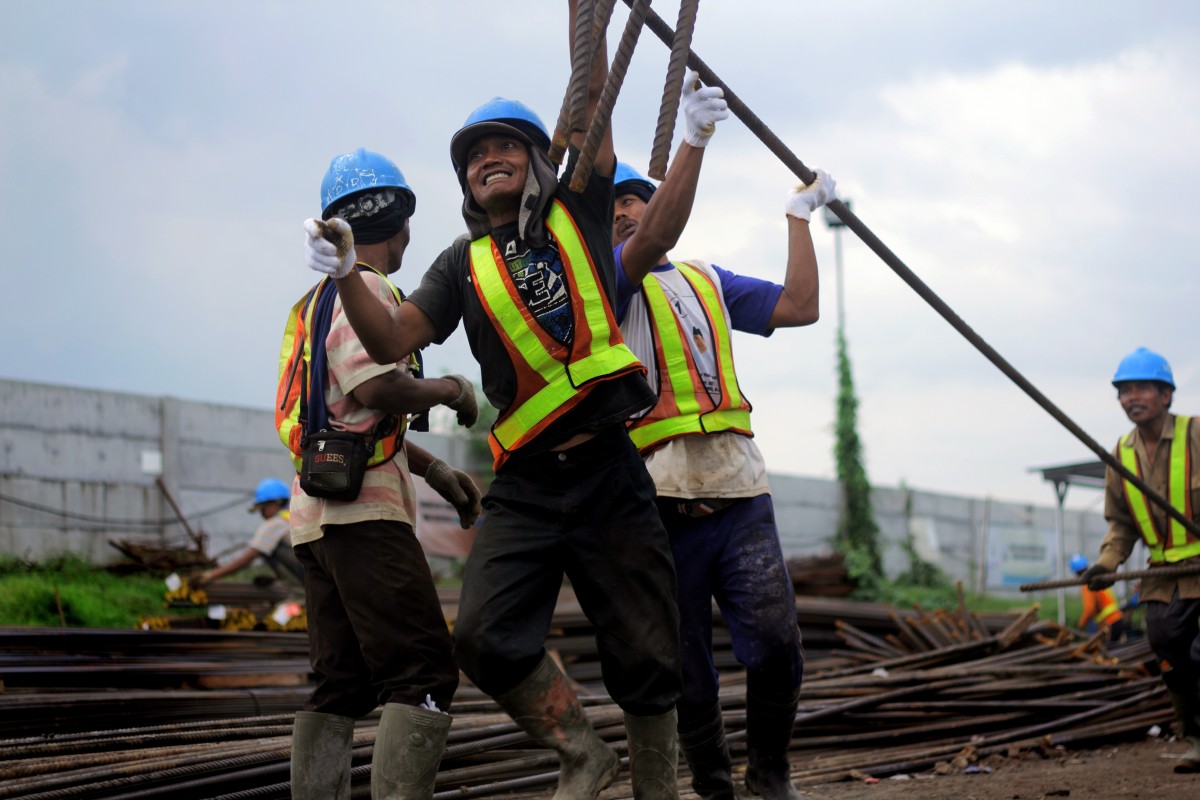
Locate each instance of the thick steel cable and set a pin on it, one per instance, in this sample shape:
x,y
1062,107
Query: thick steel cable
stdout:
x,y
681,44
581,64
608,98
601,12
1130,575
781,151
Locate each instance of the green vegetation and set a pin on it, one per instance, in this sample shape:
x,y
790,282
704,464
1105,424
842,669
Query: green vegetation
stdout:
x,y
67,592
857,536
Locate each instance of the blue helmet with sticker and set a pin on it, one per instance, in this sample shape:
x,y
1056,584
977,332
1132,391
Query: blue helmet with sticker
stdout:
x,y
1144,365
627,180
1078,563
498,115
351,173
270,490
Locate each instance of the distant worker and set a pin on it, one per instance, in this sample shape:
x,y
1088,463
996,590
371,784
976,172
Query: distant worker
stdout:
x,y
1101,611
1164,450
271,541
377,632
713,494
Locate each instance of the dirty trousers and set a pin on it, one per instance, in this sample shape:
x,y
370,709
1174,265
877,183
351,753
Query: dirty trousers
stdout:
x,y
1173,631
734,555
587,513
376,631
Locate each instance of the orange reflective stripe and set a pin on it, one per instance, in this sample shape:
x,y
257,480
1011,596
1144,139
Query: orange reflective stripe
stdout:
x,y
685,406
295,355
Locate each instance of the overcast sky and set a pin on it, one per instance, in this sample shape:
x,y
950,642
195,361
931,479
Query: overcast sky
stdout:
x,y
1035,163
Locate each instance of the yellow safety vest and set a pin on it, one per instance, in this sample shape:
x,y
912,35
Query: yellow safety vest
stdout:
x,y
684,406
551,377
1180,544
296,352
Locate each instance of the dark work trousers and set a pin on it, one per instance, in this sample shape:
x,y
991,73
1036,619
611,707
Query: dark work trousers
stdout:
x,y
376,632
1173,630
587,513
734,555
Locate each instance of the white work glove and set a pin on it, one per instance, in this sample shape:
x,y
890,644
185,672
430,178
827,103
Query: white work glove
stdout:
x,y
465,404
332,258
702,108
803,200
457,488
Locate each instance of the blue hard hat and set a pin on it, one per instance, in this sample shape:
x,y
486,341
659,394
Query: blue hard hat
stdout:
x,y
627,180
498,115
1078,563
350,173
1144,365
270,489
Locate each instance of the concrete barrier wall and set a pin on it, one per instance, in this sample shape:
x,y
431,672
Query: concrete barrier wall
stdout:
x,y
78,468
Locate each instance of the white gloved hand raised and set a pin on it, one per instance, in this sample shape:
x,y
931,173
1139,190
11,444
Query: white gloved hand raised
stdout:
x,y
331,258
703,108
803,200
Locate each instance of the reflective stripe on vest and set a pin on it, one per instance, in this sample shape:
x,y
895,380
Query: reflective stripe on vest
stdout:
x,y
551,377
1108,610
1182,544
684,406
297,344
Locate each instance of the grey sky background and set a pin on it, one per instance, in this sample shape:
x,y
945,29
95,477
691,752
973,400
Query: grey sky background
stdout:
x,y
1035,163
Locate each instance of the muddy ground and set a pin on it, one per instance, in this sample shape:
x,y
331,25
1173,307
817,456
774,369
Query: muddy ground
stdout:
x,y
1141,770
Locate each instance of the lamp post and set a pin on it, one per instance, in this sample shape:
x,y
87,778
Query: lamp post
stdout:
x,y
836,225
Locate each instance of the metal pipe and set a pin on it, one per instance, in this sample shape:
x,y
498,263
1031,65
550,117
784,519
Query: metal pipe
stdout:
x,y
1130,575
843,212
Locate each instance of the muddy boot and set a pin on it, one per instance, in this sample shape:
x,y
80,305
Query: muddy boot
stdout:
x,y
768,736
321,749
707,756
408,749
653,755
546,708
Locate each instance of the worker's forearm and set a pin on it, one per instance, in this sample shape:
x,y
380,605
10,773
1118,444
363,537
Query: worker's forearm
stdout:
x,y
372,322
419,458
398,392
800,302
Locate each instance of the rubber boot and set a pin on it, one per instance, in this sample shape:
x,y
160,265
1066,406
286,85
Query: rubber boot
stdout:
x,y
408,750
321,750
707,756
546,708
654,755
768,736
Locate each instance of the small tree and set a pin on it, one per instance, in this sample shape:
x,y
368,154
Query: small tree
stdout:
x,y
858,534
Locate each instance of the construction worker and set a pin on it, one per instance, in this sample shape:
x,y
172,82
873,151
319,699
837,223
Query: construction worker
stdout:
x,y
571,495
1163,449
711,480
377,633
270,542
1101,611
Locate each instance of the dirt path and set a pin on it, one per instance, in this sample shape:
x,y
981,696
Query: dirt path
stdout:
x,y
1130,771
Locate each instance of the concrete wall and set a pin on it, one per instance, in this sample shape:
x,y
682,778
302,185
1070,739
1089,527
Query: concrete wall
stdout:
x,y
78,468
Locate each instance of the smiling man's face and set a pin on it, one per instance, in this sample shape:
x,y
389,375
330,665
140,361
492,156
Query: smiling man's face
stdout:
x,y
497,166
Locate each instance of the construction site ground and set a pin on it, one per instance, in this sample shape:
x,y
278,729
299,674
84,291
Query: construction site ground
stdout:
x,y
1137,770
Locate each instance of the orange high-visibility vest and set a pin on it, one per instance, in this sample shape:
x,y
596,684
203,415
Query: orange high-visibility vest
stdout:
x,y
551,377
295,356
1179,544
1101,606
684,406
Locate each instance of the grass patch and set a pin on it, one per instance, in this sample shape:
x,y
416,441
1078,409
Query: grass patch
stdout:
x,y
68,592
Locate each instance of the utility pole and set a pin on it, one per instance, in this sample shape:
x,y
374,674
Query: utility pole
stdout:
x,y
836,225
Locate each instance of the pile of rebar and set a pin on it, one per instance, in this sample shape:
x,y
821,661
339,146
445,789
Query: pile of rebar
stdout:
x,y
897,692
